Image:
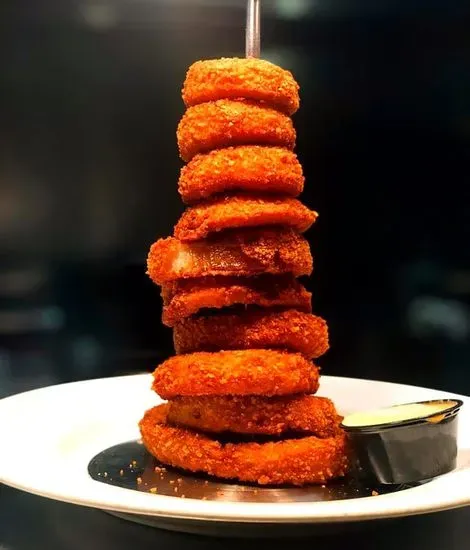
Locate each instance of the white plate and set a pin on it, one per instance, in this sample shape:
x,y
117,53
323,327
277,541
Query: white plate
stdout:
x,y
48,437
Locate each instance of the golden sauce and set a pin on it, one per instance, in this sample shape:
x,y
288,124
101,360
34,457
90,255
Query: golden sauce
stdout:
x,y
399,413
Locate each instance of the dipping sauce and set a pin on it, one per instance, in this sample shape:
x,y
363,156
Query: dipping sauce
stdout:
x,y
399,413
406,443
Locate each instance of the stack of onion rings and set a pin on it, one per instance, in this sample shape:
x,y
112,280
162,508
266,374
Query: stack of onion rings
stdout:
x,y
242,324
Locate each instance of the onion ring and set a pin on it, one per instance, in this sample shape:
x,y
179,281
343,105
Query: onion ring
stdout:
x,y
248,168
226,123
291,330
242,252
234,78
302,461
256,415
241,372
186,297
243,210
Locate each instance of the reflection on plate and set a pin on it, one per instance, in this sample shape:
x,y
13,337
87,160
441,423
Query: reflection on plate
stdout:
x,y
130,466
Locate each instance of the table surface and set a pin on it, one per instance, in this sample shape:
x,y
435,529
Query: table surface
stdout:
x,y
28,522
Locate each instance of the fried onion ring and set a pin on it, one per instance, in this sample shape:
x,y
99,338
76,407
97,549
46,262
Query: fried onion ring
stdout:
x,y
234,78
241,252
186,297
247,167
256,415
291,329
240,372
225,122
302,461
243,210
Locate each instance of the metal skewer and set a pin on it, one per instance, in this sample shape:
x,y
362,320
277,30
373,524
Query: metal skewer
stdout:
x,y
253,29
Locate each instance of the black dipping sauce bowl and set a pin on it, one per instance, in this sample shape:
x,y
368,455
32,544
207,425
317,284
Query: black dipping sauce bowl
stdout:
x,y
409,450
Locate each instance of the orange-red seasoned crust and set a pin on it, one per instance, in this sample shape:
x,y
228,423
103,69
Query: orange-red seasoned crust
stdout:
x,y
239,372
251,168
242,252
226,123
256,415
186,297
302,461
233,78
291,329
242,210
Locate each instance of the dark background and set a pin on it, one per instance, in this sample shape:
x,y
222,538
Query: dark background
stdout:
x,y
89,103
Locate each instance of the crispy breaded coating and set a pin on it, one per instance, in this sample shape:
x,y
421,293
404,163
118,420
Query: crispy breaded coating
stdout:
x,y
244,168
291,329
241,252
239,372
256,414
186,297
307,460
233,78
226,123
242,210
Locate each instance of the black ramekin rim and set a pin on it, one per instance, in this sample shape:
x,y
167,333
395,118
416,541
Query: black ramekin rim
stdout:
x,y
450,411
